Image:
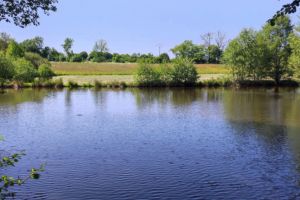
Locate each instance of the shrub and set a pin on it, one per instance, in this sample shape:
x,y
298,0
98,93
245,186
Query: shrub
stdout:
x,y
6,68
24,71
184,73
45,71
35,59
72,84
97,84
165,72
147,76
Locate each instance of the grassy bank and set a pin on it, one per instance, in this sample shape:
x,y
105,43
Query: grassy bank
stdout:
x,y
208,83
89,68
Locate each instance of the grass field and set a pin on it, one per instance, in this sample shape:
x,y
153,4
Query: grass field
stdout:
x,y
64,68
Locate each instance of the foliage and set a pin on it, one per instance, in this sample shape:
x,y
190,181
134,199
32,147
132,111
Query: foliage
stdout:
x,y
6,182
184,73
294,60
100,56
188,50
147,75
24,71
34,45
286,9
277,48
14,50
163,58
6,68
35,59
81,57
25,12
101,46
242,55
67,45
45,71
4,41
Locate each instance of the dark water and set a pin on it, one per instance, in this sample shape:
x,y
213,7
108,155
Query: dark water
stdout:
x,y
155,144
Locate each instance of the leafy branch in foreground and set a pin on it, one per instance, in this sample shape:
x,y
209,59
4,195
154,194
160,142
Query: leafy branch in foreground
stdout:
x,y
285,10
7,181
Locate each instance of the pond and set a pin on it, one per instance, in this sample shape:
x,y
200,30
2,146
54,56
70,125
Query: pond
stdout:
x,y
155,143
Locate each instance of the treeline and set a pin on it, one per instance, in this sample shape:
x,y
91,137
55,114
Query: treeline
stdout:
x,y
270,53
209,52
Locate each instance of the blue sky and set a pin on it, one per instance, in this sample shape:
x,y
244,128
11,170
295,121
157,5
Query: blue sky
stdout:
x,y
141,25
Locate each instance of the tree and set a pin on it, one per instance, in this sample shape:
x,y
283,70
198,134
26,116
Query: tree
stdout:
x,y
190,51
101,46
215,54
163,58
25,12
14,50
294,60
242,55
207,39
68,44
276,40
6,69
4,41
220,40
34,45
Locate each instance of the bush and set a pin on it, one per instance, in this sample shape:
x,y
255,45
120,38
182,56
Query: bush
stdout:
x,y
24,71
147,76
6,68
165,72
35,59
14,50
45,71
184,73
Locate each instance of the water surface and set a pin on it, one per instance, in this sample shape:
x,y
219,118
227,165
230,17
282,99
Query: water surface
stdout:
x,y
155,143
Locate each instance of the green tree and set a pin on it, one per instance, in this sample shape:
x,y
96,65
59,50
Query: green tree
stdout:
x,y
25,12
286,9
242,55
24,71
6,68
276,40
67,45
4,41
14,50
188,50
294,60
34,45
163,58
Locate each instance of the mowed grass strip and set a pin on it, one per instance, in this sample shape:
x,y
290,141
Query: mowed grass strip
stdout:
x,y
89,68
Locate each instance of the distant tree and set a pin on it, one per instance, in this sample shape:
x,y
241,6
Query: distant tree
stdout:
x,y
34,45
6,69
207,39
4,41
220,40
163,58
215,54
189,50
101,46
25,12
67,45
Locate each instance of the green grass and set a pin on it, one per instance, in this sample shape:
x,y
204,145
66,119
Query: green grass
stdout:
x,y
88,68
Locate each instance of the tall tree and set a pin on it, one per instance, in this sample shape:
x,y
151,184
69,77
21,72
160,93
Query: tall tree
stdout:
x,y
101,46
25,12
207,39
277,52
67,45
220,40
